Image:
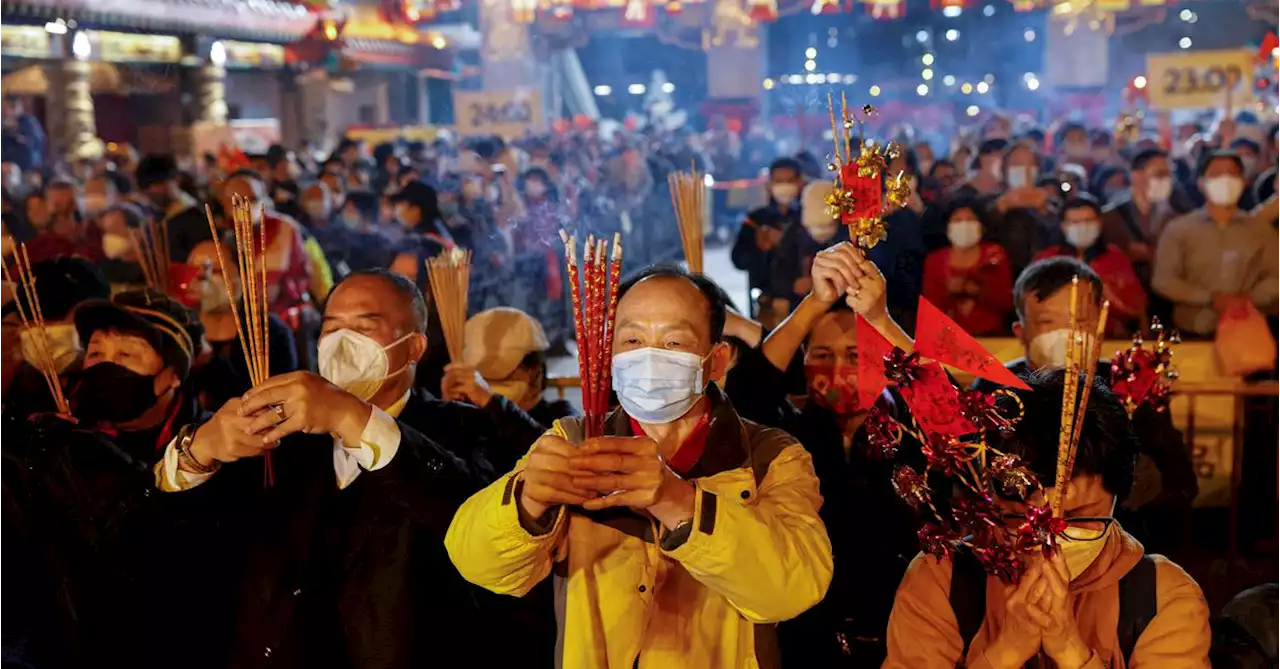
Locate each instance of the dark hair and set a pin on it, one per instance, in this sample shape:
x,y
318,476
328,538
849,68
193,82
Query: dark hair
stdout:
x,y
941,162
1219,155
154,169
717,299
1043,278
1107,447
1101,176
365,201
972,204
1264,186
1014,146
401,284
786,164
1245,143
913,163
60,183
1145,156
133,215
1081,201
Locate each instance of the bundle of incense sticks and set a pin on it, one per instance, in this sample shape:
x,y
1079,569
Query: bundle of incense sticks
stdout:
x,y
1081,364
250,250
595,306
689,197
450,274
32,317
151,244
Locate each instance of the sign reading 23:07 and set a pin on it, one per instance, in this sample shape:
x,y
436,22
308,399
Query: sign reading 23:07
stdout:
x,y
1200,79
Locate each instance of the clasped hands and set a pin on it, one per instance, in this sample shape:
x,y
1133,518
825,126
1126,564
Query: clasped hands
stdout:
x,y
602,473
1039,614
251,425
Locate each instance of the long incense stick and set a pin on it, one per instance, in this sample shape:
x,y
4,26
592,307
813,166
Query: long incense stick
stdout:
x,y
450,279
32,318
251,245
688,197
593,284
1070,386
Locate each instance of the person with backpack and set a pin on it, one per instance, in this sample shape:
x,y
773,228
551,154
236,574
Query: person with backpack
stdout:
x,y
1099,601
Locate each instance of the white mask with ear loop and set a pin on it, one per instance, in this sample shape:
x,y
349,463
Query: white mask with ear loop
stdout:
x,y
356,362
1086,547
1049,349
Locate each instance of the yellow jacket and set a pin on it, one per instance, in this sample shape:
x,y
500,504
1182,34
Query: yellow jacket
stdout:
x,y
756,554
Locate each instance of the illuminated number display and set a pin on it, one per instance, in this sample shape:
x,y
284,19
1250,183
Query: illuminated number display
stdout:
x,y
1200,80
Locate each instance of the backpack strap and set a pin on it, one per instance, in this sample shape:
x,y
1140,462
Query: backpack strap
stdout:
x,y
968,596
1137,604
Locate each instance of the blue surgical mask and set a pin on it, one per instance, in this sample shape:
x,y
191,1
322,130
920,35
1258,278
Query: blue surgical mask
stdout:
x,y
656,386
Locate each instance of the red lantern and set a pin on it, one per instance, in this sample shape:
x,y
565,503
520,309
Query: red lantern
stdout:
x,y
1023,5
762,11
887,9
825,7
675,7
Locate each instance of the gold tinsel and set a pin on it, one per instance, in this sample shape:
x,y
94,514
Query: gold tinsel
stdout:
x,y
867,232
897,191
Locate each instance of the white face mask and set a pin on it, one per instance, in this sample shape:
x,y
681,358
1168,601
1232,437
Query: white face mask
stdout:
x,y
1082,235
1086,548
784,193
516,390
656,386
964,233
1159,189
315,209
1223,191
213,295
535,189
60,340
1049,349
1021,176
996,168
355,362
115,246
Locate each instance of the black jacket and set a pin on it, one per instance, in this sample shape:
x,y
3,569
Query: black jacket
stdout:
x,y
322,577
873,533
97,562
747,256
359,577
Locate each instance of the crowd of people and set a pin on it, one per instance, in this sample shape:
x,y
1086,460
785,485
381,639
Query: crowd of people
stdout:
x,y
1135,211
375,503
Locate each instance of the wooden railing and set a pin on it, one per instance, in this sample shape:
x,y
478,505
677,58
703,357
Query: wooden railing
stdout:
x,y
1238,392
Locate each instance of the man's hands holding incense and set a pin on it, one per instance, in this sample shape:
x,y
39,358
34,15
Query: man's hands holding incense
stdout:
x,y
227,437
304,402
1053,614
605,472
462,383
1038,614
627,471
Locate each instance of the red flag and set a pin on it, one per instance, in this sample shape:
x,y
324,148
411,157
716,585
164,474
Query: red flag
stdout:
x,y
1269,44
872,349
939,338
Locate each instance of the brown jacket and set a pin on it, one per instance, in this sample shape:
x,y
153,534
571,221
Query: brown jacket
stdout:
x,y
923,632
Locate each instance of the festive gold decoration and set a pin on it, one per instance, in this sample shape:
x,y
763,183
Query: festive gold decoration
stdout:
x,y
862,195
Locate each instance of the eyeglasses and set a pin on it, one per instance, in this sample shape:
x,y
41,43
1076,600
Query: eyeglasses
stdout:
x,y
1082,528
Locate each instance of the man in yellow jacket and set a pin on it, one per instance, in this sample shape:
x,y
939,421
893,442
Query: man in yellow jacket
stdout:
x,y
682,536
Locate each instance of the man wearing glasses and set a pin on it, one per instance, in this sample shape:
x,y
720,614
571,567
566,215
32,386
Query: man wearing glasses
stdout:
x,y
1101,601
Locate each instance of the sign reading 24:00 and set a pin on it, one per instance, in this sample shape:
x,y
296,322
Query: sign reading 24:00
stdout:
x,y
1200,79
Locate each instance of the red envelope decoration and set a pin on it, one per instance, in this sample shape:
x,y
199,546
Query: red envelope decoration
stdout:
x,y
939,338
866,191
872,350
935,402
